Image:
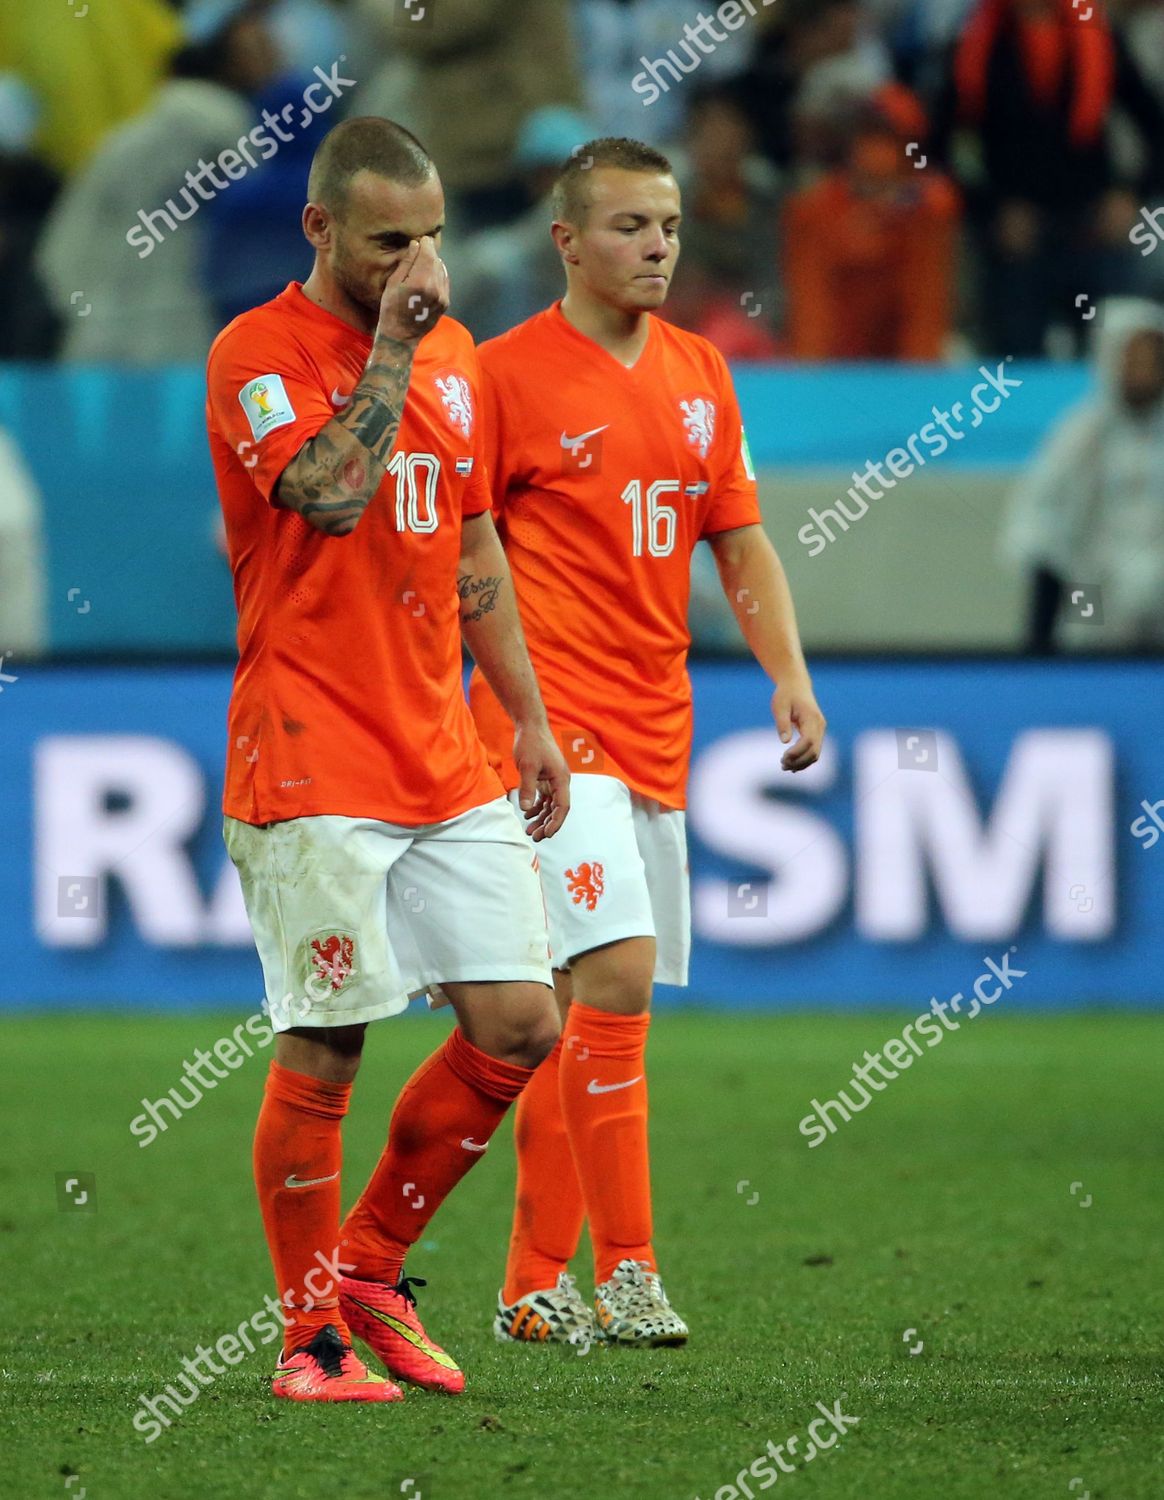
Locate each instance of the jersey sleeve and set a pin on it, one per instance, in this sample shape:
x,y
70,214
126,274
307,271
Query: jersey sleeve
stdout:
x,y
732,499
264,399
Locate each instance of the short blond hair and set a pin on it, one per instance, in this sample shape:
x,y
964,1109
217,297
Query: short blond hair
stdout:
x,y
570,198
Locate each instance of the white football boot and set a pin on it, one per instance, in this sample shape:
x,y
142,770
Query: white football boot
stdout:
x,y
556,1316
632,1308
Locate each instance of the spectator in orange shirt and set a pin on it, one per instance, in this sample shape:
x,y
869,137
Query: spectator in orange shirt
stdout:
x,y
869,250
1025,113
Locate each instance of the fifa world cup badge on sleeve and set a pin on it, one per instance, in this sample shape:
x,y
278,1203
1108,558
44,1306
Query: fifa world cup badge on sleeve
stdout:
x,y
746,455
266,404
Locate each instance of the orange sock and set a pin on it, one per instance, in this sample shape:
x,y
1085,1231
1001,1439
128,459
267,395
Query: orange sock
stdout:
x,y
442,1122
603,1089
547,1218
298,1140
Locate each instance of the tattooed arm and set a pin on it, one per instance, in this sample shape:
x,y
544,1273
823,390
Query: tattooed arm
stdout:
x,y
490,623
333,477
491,628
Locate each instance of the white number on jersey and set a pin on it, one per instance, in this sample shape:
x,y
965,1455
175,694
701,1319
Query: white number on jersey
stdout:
x,y
406,467
657,526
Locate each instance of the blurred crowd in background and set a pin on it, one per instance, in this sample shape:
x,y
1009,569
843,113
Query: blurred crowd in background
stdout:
x,y
864,179
914,180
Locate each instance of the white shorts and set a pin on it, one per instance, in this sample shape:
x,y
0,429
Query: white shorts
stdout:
x,y
617,869
353,917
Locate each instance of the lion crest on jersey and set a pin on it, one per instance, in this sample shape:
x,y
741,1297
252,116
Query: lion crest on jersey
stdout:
x,y
458,402
586,884
699,420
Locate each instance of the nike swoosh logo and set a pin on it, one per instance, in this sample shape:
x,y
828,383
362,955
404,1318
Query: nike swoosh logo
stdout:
x,y
287,1369
469,1144
409,1335
338,398
576,442
294,1182
594,1087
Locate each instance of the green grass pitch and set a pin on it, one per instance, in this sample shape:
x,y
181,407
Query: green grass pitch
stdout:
x,y
945,1208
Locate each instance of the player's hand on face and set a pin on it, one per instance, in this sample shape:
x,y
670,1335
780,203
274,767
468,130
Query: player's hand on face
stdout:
x,y
416,293
545,782
795,707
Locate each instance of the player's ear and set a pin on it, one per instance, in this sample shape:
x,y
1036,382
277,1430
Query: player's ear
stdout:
x,y
563,235
317,225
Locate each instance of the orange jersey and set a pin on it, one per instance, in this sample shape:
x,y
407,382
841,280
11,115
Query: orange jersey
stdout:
x,y
604,479
348,695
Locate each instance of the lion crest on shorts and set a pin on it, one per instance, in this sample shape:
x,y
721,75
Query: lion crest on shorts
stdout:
x,y
331,962
586,884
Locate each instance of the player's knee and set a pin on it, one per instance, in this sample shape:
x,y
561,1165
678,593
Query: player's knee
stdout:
x,y
347,1041
330,1053
532,1033
539,1038
622,997
619,978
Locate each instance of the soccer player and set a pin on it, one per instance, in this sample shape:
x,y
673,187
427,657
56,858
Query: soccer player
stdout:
x,y
614,443
377,852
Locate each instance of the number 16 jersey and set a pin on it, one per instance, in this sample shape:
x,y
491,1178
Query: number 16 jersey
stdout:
x,y
604,478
